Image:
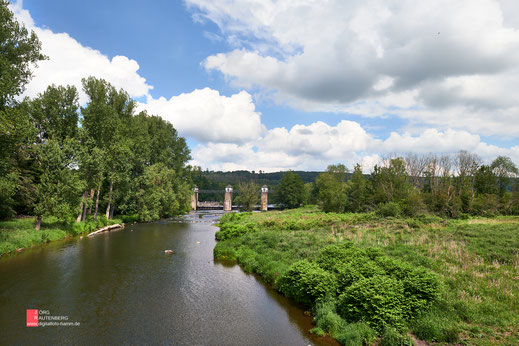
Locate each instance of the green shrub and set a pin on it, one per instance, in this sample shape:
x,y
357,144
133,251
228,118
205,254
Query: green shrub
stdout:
x,y
378,301
389,209
332,256
224,252
357,334
305,282
421,290
391,337
326,317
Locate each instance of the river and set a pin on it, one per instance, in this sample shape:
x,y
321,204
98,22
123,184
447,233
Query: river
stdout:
x,y
121,288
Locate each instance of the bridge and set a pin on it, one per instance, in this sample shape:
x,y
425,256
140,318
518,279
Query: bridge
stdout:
x,y
227,204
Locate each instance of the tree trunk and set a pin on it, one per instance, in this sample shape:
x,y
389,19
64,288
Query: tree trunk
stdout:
x,y
97,201
78,219
91,197
112,211
38,223
83,218
109,200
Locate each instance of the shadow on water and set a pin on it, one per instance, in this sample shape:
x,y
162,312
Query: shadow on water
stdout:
x,y
122,288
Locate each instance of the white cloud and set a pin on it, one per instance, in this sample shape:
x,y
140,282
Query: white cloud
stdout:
x,y
315,146
69,62
436,62
208,116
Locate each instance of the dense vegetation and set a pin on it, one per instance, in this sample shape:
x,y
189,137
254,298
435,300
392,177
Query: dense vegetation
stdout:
x,y
368,278
68,163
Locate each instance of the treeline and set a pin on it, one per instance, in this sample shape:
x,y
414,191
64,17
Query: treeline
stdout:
x,y
448,185
72,162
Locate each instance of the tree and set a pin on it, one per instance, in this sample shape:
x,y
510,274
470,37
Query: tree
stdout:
x,y
332,189
357,190
504,169
290,190
55,113
485,181
59,188
20,50
248,196
389,182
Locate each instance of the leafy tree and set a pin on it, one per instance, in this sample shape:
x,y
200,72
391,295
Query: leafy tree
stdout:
x,y
358,190
389,182
504,169
249,195
485,181
332,189
290,190
59,189
20,50
55,113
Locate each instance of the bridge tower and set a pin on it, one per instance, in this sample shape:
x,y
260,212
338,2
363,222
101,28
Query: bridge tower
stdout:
x,y
194,198
227,203
264,198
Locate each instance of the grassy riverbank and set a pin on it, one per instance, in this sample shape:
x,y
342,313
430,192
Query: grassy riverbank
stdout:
x,y
446,281
20,233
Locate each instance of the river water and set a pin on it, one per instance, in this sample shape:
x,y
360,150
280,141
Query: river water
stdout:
x,y
121,288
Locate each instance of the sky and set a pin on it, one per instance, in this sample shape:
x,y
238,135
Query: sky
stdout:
x,y
298,84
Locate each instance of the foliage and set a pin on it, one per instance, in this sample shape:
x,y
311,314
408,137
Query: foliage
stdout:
x,y
20,51
306,282
392,337
249,195
332,189
290,190
455,278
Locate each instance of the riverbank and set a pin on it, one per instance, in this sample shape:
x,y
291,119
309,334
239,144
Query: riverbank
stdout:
x,y
18,234
447,281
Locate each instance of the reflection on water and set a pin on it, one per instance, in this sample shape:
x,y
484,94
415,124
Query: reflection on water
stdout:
x,y
122,288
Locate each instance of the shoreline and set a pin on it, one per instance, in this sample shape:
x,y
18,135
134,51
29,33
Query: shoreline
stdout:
x,y
18,235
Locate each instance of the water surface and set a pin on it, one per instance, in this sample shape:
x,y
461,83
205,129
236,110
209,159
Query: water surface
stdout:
x,y
122,288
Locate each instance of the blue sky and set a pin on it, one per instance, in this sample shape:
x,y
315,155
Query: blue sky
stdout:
x,y
265,85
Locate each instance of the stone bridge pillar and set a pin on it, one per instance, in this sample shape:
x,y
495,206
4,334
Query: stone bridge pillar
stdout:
x,y
264,198
194,198
227,203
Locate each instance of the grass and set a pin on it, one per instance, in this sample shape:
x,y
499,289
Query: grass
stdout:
x,y
477,261
20,233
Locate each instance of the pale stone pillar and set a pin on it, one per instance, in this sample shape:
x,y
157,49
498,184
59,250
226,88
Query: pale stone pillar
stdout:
x,y
194,198
264,198
227,203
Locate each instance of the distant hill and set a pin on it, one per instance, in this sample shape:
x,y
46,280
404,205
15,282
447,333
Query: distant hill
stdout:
x,y
269,179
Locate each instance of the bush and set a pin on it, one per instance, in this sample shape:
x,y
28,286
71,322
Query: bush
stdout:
x,y
231,230
421,289
390,209
391,337
357,334
305,282
378,301
224,252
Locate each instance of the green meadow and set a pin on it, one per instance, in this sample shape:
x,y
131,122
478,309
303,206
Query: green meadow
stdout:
x,y
368,279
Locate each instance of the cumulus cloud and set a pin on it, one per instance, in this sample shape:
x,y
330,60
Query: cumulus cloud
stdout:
x,y
415,60
208,116
315,146
69,62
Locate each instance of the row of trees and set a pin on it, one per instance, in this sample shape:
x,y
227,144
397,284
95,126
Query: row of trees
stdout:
x,y
449,185
60,159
